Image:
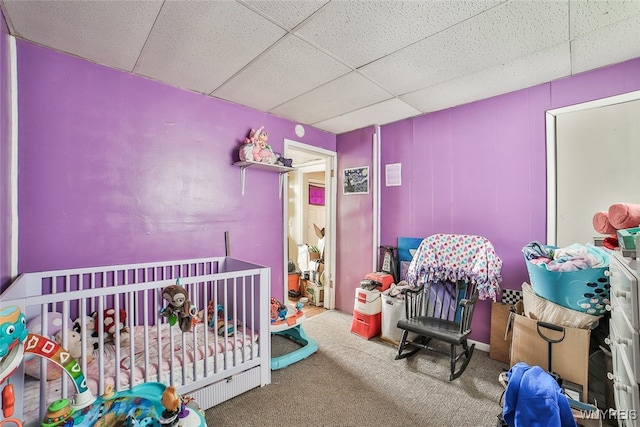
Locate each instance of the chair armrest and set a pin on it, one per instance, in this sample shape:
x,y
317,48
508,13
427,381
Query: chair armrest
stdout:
x,y
470,301
412,290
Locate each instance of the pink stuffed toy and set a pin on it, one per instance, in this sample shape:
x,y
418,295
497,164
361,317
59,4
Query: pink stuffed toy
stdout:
x,y
265,153
256,149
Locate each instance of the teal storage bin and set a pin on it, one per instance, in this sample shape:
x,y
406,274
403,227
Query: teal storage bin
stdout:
x,y
627,237
586,291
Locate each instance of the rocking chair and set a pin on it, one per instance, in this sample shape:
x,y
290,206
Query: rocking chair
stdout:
x,y
442,311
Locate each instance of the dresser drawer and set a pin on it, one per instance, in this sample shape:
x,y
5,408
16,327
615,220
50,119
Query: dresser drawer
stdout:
x,y
625,391
624,287
627,342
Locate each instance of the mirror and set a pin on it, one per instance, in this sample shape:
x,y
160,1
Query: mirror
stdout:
x,y
593,161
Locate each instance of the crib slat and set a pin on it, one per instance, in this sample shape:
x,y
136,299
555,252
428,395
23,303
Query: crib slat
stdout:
x,y
145,309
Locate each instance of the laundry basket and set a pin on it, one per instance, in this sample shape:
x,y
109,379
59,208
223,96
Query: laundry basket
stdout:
x,y
586,290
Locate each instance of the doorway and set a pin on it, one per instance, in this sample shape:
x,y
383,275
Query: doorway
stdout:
x,y
309,209
579,137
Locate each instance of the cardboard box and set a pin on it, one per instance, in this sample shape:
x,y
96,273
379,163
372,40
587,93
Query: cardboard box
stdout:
x,y
569,356
501,336
315,293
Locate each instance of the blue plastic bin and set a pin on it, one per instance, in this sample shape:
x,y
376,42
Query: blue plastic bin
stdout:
x,y
586,291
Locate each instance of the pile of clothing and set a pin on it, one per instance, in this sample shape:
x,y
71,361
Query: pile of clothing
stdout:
x,y
571,258
534,398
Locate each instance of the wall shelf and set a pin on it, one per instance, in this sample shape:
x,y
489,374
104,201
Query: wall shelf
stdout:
x,y
243,165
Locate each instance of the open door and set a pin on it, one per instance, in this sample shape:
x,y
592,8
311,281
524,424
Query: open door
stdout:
x,y
314,172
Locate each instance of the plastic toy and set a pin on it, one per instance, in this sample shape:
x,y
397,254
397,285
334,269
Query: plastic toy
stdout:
x,y
216,320
13,334
149,404
179,309
291,327
278,310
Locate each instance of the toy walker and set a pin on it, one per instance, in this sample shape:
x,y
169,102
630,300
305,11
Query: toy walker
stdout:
x,y
286,321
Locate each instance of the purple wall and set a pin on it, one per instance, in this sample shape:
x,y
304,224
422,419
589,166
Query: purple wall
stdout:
x,y
114,168
474,169
5,157
480,169
354,251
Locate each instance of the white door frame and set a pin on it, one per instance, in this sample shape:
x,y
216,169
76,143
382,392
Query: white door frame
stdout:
x,y
550,119
330,158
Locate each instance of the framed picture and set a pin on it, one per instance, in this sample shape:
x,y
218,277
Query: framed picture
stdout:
x,y
355,180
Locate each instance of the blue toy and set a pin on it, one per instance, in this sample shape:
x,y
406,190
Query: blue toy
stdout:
x,y
290,326
218,322
148,404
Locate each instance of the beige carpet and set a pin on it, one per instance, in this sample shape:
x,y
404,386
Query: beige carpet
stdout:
x,y
352,381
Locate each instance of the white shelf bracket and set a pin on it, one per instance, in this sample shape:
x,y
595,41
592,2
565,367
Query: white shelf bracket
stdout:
x,y
243,165
242,175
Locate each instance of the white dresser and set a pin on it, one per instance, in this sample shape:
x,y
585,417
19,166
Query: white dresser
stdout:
x,y
624,338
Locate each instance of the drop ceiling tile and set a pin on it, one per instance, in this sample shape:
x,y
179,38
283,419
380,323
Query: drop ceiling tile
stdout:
x,y
551,64
359,32
589,16
199,45
610,45
344,94
379,114
287,13
500,35
289,69
105,32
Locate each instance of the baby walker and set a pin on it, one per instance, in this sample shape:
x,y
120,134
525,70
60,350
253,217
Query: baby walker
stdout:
x,y
286,321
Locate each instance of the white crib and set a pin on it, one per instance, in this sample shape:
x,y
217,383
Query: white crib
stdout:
x,y
209,364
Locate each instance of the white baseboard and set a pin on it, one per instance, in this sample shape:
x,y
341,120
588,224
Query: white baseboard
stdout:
x,y
480,345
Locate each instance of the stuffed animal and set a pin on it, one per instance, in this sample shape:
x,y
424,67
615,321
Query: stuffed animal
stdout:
x,y
74,345
110,326
256,149
89,321
178,308
266,154
90,324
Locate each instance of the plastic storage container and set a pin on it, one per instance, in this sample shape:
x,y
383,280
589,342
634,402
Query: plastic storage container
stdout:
x,y
365,325
367,302
385,279
294,282
586,291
